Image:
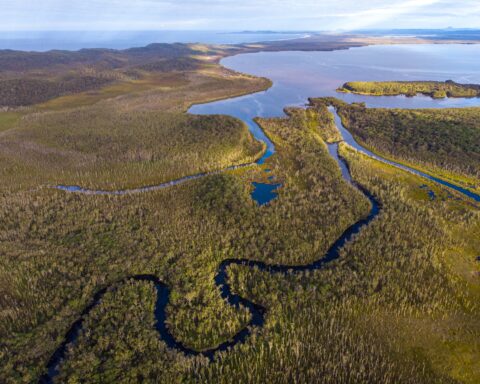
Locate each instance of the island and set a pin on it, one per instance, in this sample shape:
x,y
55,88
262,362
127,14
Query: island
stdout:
x,y
134,248
435,89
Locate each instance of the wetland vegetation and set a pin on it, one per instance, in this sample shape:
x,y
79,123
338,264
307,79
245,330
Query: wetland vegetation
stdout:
x,y
102,147
435,89
444,142
399,305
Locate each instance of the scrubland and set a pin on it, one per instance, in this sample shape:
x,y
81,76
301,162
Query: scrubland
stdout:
x,y
442,142
400,305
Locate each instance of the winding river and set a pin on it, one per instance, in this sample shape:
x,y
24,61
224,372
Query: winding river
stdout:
x,y
297,76
257,312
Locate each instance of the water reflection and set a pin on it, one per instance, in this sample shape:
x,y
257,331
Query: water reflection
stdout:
x,y
297,76
300,75
264,193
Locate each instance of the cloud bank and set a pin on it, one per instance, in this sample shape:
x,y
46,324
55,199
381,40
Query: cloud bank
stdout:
x,y
236,15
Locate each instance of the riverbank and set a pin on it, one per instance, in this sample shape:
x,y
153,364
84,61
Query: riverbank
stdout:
x,y
411,272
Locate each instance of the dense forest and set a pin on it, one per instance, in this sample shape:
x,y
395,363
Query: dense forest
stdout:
x,y
435,89
21,92
104,148
440,141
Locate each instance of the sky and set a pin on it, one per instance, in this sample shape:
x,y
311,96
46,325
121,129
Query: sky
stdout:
x,y
291,15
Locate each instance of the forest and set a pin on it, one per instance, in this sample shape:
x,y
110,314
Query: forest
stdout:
x,y
105,148
400,304
29,78
397,277
444,142
435,89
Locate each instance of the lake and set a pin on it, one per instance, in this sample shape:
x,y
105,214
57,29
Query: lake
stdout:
x,y
297,76
300,75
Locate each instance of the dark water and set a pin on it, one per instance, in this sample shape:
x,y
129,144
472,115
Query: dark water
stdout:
x,y
297,76
271,103
263,193
430,193
72,41
148,188
257,312
333,150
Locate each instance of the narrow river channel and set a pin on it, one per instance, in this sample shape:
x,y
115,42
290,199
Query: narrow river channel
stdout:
x,y
257,312
306,68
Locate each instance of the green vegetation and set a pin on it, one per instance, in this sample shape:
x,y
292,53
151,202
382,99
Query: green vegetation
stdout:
x,y
373,316
437,313
8,120
69,79
399,306
29,78
78,244
130,132
317,115
443,142
435,89
21,92
103,148
136,354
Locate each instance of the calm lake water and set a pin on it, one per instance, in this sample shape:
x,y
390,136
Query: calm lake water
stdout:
x,y
300,75
297,76
72,41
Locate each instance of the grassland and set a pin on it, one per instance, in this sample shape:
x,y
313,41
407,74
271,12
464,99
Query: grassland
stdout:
x,y
104,148
442,142
131,132
435,89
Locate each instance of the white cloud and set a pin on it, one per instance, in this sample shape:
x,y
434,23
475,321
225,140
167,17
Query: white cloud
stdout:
x,y
234,14
373,16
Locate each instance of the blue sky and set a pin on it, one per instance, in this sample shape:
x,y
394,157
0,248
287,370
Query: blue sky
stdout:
x,y
236,14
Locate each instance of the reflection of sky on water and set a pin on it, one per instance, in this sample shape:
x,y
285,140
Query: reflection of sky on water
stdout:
x,y
299,75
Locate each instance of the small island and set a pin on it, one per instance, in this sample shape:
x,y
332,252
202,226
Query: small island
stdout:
x,y
434,89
